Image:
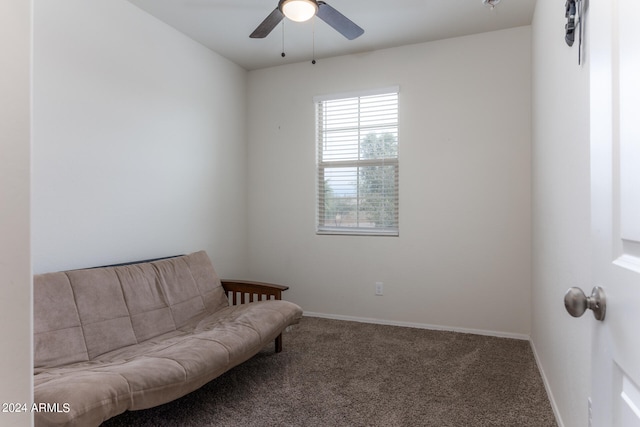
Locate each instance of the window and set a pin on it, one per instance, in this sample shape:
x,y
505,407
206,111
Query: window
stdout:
x,y
357,163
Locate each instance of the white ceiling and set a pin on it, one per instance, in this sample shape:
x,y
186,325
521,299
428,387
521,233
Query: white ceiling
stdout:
x,y
224,25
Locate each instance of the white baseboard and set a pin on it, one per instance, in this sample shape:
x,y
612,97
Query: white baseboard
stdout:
x,y
419,326
552,400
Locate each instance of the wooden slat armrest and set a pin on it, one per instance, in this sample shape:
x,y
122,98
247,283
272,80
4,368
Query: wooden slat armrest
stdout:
x,y
251,288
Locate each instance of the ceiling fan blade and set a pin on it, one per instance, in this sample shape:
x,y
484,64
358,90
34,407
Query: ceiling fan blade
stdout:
x,y
268,24
338,21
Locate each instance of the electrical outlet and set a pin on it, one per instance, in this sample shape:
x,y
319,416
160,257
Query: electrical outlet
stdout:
x,y
379,288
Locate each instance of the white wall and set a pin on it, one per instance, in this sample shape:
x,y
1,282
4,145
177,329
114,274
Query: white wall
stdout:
x,y
561,205
463,256
15,258
139,141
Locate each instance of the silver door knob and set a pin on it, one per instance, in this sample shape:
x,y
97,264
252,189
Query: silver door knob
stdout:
x,y
576,302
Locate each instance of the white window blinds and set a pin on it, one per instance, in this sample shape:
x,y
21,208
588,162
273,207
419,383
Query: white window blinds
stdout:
x,y
357,163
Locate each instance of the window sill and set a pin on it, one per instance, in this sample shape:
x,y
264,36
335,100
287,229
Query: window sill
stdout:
x,y
347,231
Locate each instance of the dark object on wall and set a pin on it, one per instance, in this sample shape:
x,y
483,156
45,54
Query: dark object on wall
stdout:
x,y
570,27
574,27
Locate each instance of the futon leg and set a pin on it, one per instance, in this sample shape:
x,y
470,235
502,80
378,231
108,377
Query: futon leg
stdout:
x,y
279,343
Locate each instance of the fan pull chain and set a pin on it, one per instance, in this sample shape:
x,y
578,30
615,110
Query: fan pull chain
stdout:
x,y
282,54
313,45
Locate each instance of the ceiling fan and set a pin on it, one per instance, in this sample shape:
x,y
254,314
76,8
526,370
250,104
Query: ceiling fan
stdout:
x,y
303,10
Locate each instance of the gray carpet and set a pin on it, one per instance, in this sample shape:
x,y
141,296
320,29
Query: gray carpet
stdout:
x,y
337,373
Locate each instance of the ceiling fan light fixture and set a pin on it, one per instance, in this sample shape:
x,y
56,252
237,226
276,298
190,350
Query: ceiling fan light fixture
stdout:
x,y
298,10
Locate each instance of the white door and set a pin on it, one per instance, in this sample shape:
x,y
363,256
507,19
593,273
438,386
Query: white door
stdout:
x,y
613,28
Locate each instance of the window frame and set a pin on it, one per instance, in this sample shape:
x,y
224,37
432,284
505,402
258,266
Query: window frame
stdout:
x,y
386,162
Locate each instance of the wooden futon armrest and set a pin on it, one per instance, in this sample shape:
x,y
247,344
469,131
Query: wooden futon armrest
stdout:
x,y
243,291
238,290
